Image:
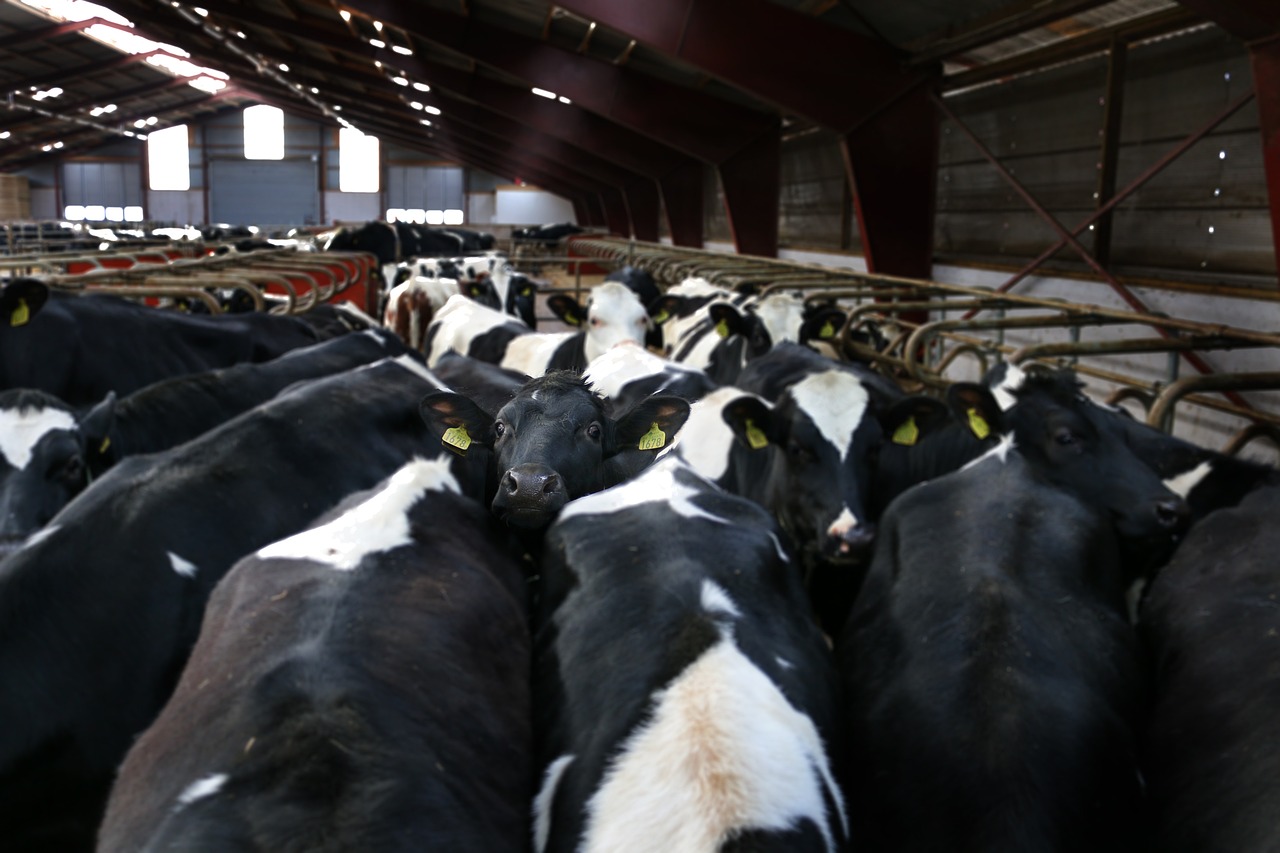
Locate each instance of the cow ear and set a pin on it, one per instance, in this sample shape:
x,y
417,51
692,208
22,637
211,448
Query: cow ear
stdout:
x,y
726,319
96,425
976,407
823,324
910,419
751,420
459,422
21,300
567,309
664,308
650,424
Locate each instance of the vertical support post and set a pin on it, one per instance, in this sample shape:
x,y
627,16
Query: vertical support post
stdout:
x,y
752,181
1264,57
580,212
1110,154
642,202
682,198
615,212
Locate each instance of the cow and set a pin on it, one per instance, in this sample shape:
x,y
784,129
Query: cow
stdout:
x,y
79,348
508,291
992,677
825,437
641,282
613,315
361,685
683,307
1210,757
552,443
49,452
549,234
100,608
411,306
627,373
684,700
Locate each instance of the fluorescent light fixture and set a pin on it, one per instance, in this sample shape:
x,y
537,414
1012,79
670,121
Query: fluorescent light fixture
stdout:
x,y
59,145
416,105
142,122
204,13
377,25
284,67
152,120
564,100
543,93
424,122
377,42
346,16
402,50
435,111
314,90
4,134
422,87
400,81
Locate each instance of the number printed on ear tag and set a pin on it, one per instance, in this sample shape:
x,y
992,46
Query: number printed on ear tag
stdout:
x,y
654,439
457,438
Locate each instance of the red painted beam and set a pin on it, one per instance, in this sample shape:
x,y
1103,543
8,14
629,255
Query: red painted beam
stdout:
x,y
1265,59
1248,20
642,203
828,74
892,162
683,199
615,212
752,181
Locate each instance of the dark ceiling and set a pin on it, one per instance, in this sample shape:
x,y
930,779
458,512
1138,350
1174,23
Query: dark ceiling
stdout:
x,y
649,85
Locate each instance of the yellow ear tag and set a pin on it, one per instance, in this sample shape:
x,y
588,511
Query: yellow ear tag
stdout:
x,y
528,291
572,320
755,436
476,291
827,331
722,328
979,426
654,439
21,315
457,438
907,434
102,448
661,317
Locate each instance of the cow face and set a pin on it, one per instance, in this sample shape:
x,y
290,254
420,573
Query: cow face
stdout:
x,y
44,457
614,315
827,445
1082,449
549,444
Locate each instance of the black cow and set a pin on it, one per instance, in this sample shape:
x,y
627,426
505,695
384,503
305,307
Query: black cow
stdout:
x,y
552,443
1212,743
99,610
549,234
49,453
992,675
79,348
684,700
362,685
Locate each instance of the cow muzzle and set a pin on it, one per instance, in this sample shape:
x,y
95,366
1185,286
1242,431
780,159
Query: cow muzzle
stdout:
x,y
848,544
530,496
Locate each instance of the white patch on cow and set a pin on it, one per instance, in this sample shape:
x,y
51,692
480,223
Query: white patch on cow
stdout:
x,y
611,371
615,315
368,333
22,429
186,568
1004,392
41,535
656,484
723,752
836,402
198,790
1000,453
543,802
716,600
501,278
844,522
699,355
378,524
1183,484
705,441
410,364
389,272
782,315
530,354
458,323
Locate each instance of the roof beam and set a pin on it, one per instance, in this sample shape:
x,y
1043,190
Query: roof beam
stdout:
x,y
1007,21
117,98
1247,20
43,35
66,75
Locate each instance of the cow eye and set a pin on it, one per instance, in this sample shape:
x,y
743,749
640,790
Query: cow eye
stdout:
x,y
1065,437
499,428
593,431
596,322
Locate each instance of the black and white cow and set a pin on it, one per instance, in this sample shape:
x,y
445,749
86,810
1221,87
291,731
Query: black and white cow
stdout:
x,y
613,315
362,685
991,673
553,442
79,348
1212,742
49,452
684,699
99,610
508,291
626,374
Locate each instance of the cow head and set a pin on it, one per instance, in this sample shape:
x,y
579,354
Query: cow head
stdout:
x,y
46,455
613,315
20,300
550,444
1082,448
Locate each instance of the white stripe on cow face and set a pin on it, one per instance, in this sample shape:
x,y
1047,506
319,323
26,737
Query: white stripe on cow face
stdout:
x,y
22,429
614,316
1000,453
836,402
729,753
782,315
844,522
656,484
717,602
543,802
379,524
186,568
1183,483
198,790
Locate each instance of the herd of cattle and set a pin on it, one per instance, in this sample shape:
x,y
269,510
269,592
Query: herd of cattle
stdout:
x,y
676,580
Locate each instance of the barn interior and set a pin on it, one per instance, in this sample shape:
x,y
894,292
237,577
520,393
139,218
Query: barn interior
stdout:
x,y
1110,168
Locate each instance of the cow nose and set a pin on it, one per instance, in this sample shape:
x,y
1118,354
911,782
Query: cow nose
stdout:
x,y
530,495
1172,514
531,482
856,540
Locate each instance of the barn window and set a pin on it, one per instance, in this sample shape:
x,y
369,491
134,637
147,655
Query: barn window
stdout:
x,y
74,212
168,159
453,217
263,133
357,161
